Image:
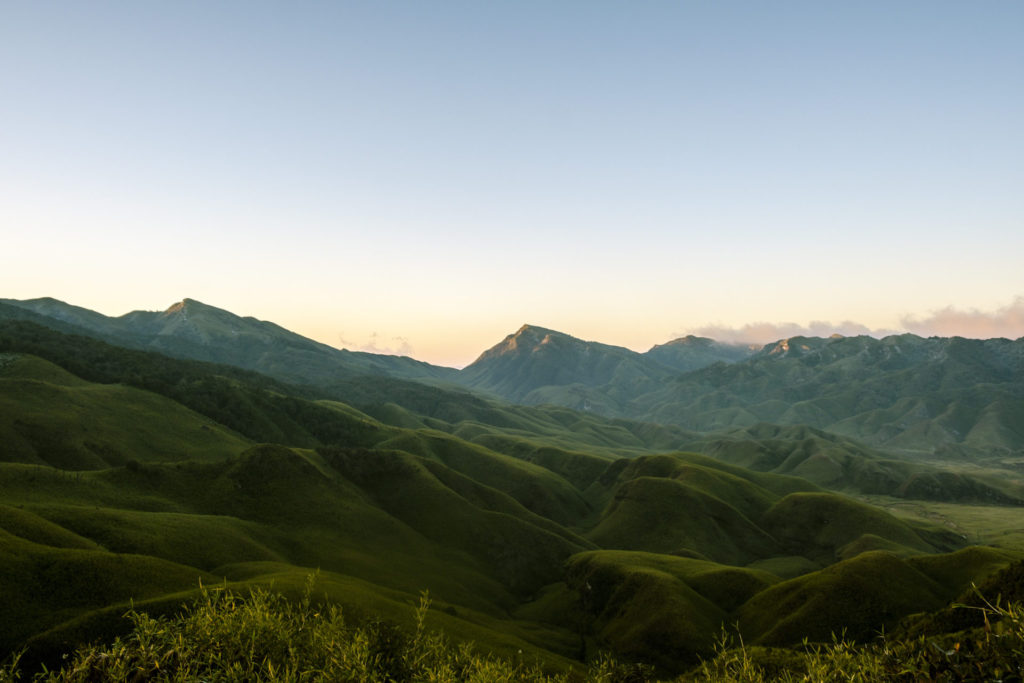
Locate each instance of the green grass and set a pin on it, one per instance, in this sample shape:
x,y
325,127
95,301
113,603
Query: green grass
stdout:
x,y
202,541
49,417
521,551
29,526
400,521
255,634
43,585
525,524
786,566
642,611
996,525
865,594
667,516
963,567
994,652
842,464
581,469
826,526
535,487
689,504
724,585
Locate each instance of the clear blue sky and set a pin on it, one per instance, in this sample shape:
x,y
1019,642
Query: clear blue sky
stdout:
x,y
431,175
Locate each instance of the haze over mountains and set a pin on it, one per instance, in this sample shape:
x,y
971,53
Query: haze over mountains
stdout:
x,y
556,496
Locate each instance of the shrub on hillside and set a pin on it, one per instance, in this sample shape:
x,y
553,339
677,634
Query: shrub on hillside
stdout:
x,y
263,636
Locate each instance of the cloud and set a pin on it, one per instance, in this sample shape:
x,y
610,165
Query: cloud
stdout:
x,y
1007,321
765,332
394,346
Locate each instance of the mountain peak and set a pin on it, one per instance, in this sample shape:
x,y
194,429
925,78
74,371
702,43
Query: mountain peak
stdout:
x,y
528,329
536,358
187,304
178,307
527,337
690,340
788,345
691,352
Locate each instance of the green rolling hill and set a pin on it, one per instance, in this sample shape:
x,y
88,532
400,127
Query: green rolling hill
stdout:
x,y
844,464
50,417
129,476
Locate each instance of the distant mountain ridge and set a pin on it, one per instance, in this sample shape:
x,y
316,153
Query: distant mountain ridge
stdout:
x,y
902,392
192,329
693,353
948,397
535,357
535,365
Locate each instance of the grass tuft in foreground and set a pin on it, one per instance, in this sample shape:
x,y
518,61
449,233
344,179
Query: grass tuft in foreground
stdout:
x,y
993,652
263,636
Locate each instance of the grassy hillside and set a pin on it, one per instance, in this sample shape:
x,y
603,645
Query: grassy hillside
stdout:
x,y
934,397
50,417
129,476
258,635
865,594
841,463
270,511
191,329
902,393
944,397
662,609
998,526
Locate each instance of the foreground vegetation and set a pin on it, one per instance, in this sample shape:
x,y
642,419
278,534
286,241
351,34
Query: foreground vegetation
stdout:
x,y
263,636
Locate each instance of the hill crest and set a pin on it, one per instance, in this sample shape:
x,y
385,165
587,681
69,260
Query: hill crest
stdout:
x,y
199,331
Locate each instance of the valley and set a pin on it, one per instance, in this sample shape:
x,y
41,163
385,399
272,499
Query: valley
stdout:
x,y
558,499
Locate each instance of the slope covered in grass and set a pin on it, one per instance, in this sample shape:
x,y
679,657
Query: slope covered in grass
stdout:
x,y
902,393
537,528
191,329
687,504
663,609
396,520
260,635
865,594
823,526
48,416
841,463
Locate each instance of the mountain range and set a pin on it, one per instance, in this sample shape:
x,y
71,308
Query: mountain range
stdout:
x,y
190,329
557,497
903,393
904,396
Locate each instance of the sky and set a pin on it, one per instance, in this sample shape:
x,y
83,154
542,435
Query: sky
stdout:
x,y
425,177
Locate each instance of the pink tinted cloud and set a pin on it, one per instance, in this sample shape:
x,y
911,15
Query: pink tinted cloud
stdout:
x,y
1007,321
398,346
765,332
